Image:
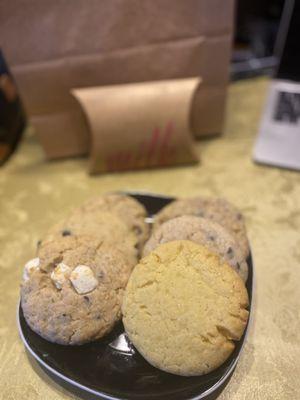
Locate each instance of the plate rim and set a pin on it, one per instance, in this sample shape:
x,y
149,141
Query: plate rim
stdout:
x,y
105,396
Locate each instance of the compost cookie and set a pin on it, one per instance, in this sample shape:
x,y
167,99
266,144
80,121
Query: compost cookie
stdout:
x,y
129,210
183,308
72,292
103,225
216,209
201,231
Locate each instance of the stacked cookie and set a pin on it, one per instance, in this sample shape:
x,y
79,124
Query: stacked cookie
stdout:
x,y
73,290
181,291
217,209
186,302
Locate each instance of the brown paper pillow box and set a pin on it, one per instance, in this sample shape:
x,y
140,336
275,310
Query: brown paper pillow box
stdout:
x,y
140,125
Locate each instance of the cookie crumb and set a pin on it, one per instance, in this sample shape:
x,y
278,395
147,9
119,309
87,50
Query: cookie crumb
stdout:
x,y
66,232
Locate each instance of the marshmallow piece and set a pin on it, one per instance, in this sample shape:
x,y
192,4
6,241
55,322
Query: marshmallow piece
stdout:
x,y
29,267
60,275
83,279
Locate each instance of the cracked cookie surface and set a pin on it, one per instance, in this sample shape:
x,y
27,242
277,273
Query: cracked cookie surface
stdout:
x,y
183,308
216,209
202,231
75,294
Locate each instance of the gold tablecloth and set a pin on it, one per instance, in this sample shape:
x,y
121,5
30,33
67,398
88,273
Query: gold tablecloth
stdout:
x,y
35,193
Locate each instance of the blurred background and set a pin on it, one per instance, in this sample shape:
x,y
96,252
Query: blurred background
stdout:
x,y
119,42
256,31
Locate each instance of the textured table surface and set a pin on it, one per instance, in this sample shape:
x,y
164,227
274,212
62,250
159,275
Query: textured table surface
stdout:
x,y
33,194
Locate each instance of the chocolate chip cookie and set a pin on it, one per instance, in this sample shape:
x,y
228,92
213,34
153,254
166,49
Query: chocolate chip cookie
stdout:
x,y
216,209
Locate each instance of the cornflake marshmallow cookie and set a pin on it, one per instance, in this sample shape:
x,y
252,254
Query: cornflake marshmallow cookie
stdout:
x,y
184,307
129,210
75,295
103,225
201,231
216,209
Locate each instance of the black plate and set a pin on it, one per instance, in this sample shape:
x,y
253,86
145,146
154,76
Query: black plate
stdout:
x,y
99,371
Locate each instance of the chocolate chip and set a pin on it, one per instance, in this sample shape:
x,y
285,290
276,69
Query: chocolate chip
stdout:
x,y
98,316
64,315
137,230
86,298
211,237
100,275
229,250
56,260
66,232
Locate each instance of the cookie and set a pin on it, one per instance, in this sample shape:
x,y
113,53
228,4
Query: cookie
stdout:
x,y
216,209
184,307
72,292
202,231
129,210
103,225
222,211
